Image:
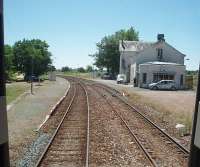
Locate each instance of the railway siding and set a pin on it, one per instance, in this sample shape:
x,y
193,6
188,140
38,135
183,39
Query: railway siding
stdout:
x,y
161,148
111,144
101,129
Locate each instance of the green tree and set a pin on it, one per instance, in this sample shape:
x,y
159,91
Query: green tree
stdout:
x,y
52,68
8,52
108,55
89,68
66,69
31,55
80,69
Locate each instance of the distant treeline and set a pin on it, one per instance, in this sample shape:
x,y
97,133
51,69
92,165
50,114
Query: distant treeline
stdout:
x,y
80,69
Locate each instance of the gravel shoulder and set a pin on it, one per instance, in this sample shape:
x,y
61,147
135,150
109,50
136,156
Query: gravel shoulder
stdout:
x,y
165,108
27,114
111,144
177,101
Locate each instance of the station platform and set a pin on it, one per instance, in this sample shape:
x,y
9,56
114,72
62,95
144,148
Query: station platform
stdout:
x,y
29,112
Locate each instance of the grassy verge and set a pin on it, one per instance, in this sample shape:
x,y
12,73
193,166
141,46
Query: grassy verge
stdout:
x,y
13,90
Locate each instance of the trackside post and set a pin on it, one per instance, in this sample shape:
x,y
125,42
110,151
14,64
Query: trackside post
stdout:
x,y
4,149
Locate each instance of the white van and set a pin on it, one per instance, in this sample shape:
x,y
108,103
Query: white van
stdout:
x,y
121,78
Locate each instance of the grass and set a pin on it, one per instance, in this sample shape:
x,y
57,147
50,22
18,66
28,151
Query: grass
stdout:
x,y
15,89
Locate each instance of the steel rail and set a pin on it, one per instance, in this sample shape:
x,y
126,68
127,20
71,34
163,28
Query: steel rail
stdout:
x,y
56,131
183,149
108,88
88,126
131,132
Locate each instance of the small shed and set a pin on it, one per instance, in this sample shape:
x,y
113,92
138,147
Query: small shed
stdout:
x,y
52,76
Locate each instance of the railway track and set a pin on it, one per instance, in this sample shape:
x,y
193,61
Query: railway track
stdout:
x,y
111,143
146,133
69,144
75,143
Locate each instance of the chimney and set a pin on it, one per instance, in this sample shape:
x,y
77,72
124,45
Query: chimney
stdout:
x,y
160,37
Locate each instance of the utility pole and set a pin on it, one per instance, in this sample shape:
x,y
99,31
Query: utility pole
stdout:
x,y
194,160
4,148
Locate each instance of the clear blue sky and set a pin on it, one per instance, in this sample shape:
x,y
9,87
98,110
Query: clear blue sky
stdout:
x,y
72,27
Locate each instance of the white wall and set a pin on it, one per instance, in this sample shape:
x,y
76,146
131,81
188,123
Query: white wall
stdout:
x,y
169,54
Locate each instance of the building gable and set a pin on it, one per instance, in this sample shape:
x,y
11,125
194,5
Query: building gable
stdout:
x,y
161,51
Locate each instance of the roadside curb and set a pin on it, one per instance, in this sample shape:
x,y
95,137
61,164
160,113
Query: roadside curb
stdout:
x,y
51,112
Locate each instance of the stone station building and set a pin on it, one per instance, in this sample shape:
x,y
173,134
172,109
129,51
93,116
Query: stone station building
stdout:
x,y
147,62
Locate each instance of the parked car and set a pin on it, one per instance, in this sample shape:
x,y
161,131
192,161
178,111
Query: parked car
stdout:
x,y
106,76
33,78
163,85
121,78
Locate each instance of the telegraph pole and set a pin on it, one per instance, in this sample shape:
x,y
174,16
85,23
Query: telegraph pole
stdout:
x,y
4,149
194,160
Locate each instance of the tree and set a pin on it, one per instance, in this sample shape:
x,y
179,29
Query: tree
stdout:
x,y
66,69
31,55
8,52
108,55
89,68
80,69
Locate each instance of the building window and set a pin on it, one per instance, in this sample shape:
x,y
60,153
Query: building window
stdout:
x,y
160,54
181,80
162,76
144,78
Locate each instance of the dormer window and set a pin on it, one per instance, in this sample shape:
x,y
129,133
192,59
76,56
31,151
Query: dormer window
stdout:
x,y
160,54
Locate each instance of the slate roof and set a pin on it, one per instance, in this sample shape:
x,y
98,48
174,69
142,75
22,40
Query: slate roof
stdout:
x,y
136,46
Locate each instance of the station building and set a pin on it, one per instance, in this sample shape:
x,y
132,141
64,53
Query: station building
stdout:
x,y
147,62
